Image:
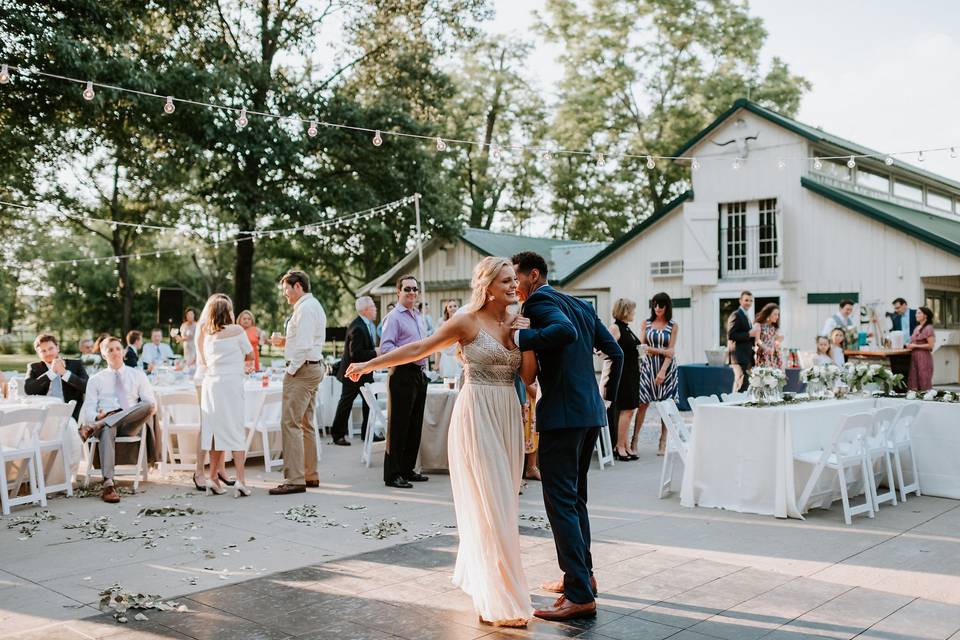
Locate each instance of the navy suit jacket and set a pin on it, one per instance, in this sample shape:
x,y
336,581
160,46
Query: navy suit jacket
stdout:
x,y
564,332
911,321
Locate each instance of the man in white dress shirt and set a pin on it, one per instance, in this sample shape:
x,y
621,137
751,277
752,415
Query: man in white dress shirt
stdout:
x,y
303,350
118,402
156,351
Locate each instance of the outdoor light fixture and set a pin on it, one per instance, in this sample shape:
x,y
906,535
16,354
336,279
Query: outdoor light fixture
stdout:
x,y
312,129
377,140
4,74
242,120
88,91
441,145
650,163
168,106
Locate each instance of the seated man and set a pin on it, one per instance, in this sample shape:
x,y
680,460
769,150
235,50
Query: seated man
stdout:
x,y
130,356
156,351
86,346
54,376
119,401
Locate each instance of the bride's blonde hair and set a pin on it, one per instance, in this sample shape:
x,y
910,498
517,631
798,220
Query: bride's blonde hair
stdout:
x,y
484,274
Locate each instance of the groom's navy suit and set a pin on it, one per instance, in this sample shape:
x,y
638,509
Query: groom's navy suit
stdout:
x,y
564,334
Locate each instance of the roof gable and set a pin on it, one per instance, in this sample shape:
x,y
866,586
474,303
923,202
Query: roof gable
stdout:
x,y
938,231
813,134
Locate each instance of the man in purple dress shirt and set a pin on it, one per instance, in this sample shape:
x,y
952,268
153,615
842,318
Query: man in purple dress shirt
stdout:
x,y
408,390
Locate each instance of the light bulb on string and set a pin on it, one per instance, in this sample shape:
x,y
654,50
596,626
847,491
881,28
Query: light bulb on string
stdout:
x,y
96,262
441,145
695,165
178,252
168,106
920,157
116,260
547,155
156,255
817,164
601,163
138,256
888,161
113,226
494,152
377,139
4,74
736,164
242,120
650,163
74,263
851,163
781,164
953,152
139,229
88,91
312,129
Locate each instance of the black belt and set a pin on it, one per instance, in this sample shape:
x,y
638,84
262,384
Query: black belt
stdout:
x,y
306,362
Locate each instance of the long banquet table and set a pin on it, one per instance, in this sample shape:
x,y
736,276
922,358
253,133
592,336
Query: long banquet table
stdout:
x,y
741,458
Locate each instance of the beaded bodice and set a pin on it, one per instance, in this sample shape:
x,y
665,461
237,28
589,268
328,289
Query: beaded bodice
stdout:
x,y
489,362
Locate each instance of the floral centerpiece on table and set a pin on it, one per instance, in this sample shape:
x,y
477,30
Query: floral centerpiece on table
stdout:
x,y
860,376
820,378
766,384
933,395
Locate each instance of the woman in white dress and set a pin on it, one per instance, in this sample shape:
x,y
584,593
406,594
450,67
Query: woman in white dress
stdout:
x,y
226,355
186,337
448,361
485,442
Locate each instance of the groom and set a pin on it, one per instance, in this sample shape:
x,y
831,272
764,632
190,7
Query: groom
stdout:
x,y
564,332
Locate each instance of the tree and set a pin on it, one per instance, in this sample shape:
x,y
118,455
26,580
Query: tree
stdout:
x,y
496,106
643,77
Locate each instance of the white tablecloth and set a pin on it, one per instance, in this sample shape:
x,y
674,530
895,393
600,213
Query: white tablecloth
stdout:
x,y
741,458
436,425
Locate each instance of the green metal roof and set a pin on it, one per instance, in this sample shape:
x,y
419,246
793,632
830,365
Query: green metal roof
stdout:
x,y
935,230
814,135
563,256
649,221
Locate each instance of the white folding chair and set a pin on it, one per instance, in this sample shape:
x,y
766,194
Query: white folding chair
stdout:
x,y
738,397
18,442
179,415
702,400
604,447
678,442
268,421
899,440
378,417
138,470
54,437
847,450
877,449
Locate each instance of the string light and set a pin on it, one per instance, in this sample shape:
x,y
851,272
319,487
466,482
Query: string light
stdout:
x,y
168,106
695,165
737,163
547,156
817,164
781,164
851,163
495,152
4,74
242,120
953,152
312,129
888,161
441,145
650,163
88,91
920,157
377,140
601,163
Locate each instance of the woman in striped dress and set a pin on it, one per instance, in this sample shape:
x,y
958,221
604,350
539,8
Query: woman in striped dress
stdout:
x,y
658,367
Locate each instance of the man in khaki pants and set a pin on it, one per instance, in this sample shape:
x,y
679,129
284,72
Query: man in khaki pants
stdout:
x,y
303,350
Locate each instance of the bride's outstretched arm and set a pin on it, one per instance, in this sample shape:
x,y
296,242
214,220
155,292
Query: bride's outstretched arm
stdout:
x,y
450,331
528,367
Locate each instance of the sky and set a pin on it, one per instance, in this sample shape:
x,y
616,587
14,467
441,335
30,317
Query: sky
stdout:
x,y
885,73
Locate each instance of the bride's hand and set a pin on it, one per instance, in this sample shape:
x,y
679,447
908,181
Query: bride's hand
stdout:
x,y
520,322
355,371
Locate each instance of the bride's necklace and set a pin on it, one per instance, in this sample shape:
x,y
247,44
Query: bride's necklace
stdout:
x,y
502,320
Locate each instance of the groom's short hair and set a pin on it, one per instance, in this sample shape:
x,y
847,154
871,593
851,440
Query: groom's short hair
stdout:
x,y
526,261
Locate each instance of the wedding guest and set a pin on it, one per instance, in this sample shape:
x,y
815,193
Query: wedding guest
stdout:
x,y
767,328
921,352
226,356
118,402
131,357
187,335
53,376
199,373
903,318
823,352
408,390
155,352
249,324
85,346
659,379
838,341
843,319
448,364
303,350
425,318
360,345
390,308
628,394
740,342
3,385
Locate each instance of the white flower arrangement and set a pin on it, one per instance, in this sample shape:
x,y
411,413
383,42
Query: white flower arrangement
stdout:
x,y
826,374
858,376
933,395
766,383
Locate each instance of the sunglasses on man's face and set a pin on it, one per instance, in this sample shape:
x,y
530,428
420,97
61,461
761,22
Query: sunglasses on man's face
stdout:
x,y
410,289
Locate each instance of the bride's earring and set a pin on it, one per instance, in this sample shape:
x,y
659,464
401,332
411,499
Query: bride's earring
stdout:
x,y
489,298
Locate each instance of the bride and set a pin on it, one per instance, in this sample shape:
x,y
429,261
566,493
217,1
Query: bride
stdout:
x,y
485,442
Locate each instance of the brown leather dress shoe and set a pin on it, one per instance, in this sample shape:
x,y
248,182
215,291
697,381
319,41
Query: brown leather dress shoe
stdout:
x,y
313,483
86,431
284,489
109,494
564,609
556,586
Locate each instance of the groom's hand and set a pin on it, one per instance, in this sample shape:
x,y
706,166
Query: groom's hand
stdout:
x,y
520,322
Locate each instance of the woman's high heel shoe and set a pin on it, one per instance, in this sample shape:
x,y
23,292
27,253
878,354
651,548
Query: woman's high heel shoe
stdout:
x,y
214,489
226,481
623,457
240,490
199,486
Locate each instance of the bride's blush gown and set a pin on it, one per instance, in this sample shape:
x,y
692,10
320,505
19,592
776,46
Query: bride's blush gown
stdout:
x,y
485,448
